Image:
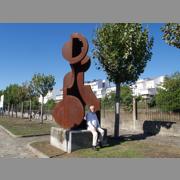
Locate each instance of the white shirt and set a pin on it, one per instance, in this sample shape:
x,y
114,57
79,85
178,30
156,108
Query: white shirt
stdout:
x,y
92,120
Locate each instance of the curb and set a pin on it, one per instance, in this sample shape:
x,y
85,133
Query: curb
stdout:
x,y
10,133
37,135
36,152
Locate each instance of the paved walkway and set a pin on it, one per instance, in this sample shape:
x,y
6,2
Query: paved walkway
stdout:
x,y
17,147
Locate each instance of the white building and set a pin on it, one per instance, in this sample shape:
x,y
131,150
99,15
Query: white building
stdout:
x,y
111,89
59,96
2,101
143,87
99,87
147,87
49,96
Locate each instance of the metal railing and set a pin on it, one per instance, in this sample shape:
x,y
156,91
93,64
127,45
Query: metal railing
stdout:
x,y
147,112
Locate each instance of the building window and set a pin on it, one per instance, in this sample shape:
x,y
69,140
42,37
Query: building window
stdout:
x,y
103,85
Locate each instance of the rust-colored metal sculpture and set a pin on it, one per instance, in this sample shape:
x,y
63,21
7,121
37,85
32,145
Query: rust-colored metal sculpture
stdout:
x,y
70,112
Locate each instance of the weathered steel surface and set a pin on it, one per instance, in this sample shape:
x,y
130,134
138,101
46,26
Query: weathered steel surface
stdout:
x,y
69,113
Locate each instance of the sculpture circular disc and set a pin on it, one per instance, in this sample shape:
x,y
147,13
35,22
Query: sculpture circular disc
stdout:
x,y
69,113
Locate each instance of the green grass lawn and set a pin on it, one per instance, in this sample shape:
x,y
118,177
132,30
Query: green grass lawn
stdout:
x,y
24,127
126,149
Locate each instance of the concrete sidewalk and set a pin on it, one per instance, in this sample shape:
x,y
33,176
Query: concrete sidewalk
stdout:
x,y
16,147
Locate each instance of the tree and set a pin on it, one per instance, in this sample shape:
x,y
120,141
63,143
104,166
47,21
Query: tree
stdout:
x,y
50,104
1,92
42,85
151,102
171,34
108,101
31,95
168,96
123,51
11,94
23,96
126,98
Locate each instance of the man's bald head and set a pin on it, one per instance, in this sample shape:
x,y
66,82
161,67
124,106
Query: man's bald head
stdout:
x,y
92,108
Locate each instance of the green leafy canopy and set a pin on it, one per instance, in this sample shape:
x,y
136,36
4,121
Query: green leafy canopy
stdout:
x,y
42,84
168,97
12,94
125,96
123,50
171,34
1,92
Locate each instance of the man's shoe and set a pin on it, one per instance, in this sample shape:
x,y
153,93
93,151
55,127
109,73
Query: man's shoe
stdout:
x,y
100,145
94,148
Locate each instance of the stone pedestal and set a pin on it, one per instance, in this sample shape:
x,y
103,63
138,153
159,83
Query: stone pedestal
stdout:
x,y
70,140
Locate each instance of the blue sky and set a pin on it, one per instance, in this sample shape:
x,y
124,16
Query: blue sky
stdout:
x,y
26,49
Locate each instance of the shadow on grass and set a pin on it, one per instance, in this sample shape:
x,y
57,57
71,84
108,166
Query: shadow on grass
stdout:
x,y
150,128
58,155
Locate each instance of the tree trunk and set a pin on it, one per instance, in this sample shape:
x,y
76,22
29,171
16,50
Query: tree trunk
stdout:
x,y
117,111
12,109
9,109
22,109
42,103
16,111
30,110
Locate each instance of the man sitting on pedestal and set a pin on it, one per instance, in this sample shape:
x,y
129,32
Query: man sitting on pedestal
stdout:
x,y
94,127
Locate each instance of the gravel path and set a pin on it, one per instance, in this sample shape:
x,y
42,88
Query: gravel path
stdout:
x,y
16,147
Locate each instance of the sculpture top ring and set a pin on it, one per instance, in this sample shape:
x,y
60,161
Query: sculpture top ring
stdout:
x,y
79,44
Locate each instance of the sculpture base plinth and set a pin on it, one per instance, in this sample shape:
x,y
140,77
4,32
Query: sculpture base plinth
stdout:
x,y
70,140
